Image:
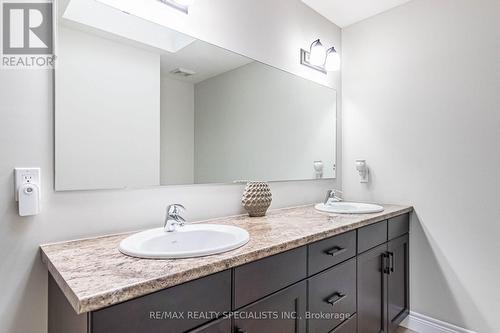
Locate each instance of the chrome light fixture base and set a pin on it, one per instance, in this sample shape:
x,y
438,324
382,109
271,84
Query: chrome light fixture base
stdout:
x,y
304,60
178,6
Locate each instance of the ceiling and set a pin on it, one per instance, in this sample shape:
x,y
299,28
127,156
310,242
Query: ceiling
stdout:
x,y
176,50
95,17
347,12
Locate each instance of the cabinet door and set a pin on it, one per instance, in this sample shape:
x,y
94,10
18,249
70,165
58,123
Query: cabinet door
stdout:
x,y
398,281
372,291
218,326
282,312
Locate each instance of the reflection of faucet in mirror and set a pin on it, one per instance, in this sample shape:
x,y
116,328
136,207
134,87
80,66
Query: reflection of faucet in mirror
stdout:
x,y
173,218
332,195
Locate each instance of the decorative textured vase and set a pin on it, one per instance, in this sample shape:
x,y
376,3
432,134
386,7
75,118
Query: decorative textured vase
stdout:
x,y
257,198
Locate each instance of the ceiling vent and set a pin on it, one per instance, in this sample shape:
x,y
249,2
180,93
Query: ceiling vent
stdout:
x,y
182,72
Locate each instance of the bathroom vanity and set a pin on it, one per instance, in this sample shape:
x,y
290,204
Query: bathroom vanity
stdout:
x,y
302,271
177,110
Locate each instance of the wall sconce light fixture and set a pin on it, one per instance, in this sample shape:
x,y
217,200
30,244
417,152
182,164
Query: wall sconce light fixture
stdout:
x,y
362,170
319,58
182,5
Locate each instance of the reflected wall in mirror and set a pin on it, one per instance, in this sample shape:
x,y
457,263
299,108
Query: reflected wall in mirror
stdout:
x,y
134,110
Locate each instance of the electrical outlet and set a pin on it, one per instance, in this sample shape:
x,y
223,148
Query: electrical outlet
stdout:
x,y
25,176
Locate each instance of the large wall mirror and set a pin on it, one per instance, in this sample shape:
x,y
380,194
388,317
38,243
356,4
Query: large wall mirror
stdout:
x,y
138,104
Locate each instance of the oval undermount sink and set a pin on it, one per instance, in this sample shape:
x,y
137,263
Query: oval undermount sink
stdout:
x,y
191,240
345,207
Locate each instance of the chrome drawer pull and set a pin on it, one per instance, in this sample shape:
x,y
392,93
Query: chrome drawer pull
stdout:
x,y
391,262
336,251
337,297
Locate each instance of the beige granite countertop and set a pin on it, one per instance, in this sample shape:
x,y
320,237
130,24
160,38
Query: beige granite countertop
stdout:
x,y
93,274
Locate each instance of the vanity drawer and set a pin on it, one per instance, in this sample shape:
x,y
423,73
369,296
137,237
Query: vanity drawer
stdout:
x,y
166,311
329,252
371,236
398,226
265,276
332,294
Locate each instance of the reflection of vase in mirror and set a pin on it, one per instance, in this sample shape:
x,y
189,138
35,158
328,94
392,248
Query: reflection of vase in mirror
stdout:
x,y
318,169
257,198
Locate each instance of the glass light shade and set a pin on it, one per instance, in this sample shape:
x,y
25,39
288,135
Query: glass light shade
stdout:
x,y
317,53
186,3
332,62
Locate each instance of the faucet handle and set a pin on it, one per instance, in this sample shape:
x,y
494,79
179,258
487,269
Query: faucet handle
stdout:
x,y
179,219
333,194
339,192
175,209
173,218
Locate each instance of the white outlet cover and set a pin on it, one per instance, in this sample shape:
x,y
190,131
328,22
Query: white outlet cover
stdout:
x,y
25,176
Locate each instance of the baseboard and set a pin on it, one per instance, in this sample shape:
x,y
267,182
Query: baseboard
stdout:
x,y
424,324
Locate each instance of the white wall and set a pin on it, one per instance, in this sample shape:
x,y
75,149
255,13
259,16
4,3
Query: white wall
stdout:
x,y
26,107
269,31
97,137
259,123
177,132
420,103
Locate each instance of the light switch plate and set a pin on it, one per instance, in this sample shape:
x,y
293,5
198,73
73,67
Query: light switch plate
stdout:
x,y
25,176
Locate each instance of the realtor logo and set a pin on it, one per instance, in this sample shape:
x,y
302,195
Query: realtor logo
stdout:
x,y
27,34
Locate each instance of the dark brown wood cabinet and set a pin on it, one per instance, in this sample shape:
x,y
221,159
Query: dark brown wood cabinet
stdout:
x,y
330,252
372,291
218,326
282,312
371,236
349,326
398,288
263,277
167,311
332,297
355,282
383,281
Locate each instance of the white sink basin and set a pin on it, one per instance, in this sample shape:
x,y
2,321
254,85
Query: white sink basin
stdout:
x,y
191,240
344,207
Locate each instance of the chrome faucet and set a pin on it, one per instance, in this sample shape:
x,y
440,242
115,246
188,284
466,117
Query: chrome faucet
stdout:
x,y
173,219
332,194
